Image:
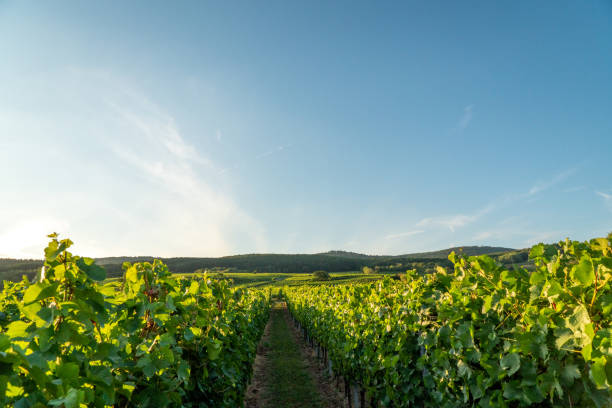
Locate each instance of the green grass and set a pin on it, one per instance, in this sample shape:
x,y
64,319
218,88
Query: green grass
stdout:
x,y
262,280
278,280
288,383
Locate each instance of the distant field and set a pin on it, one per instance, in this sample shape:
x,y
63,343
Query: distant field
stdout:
x,y
252,280
283,266
288,270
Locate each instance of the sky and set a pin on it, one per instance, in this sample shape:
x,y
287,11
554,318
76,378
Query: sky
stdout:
x,y
218,128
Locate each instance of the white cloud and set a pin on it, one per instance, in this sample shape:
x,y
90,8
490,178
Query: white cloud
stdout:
x,y
112,171
26,237
160,129
194,217
404,234
452,222
483,235
270,152
466,118
574,189
607,199
544,236
605,196
545,185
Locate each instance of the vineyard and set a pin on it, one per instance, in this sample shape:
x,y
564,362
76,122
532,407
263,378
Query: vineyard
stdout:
x,y
482,336
150,340
476,335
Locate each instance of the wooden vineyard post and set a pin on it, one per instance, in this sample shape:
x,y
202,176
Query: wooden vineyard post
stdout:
x,y
355,395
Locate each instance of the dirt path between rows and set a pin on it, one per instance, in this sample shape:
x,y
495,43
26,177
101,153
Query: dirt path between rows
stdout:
x,y
286,371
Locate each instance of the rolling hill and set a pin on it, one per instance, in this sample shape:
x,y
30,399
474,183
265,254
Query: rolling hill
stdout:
x,y
339,261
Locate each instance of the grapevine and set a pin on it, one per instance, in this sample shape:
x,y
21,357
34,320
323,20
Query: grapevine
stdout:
x,y
71,339
481,336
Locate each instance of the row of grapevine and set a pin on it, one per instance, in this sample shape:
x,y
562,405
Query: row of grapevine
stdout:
x,y
148,340
481,336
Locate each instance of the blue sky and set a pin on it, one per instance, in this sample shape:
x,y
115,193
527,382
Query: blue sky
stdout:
x,y
216,128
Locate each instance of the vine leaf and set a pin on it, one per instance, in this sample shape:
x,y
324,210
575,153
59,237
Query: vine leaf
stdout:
x,y
92,270
583,272
511,362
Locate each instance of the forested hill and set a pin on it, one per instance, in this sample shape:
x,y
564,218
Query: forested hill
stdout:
x,y
466,250
442,253
336,261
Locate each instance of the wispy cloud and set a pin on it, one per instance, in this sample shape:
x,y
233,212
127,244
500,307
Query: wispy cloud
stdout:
x,y
606,197
24,236
574,189
452,222
144,187
404,234
160,130
232,167
483,235
545,185
455,221
192,213
277,149
466,118
522,233
543,236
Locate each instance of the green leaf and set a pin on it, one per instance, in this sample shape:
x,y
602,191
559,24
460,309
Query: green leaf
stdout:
x,y
188,334
598,372
213,349
51,251
536,251
72,399
92,270
578,320
183,371
609,370
131,274
194,287
55,248
537,277
101,375
33,312
599,244
587,351
512,391
17,329
148,368
486,305
570,372
583,272
555,288
38,291
511,363
3,384
32,293
68,372
5,342
463,370
390,361
533,395
167,339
